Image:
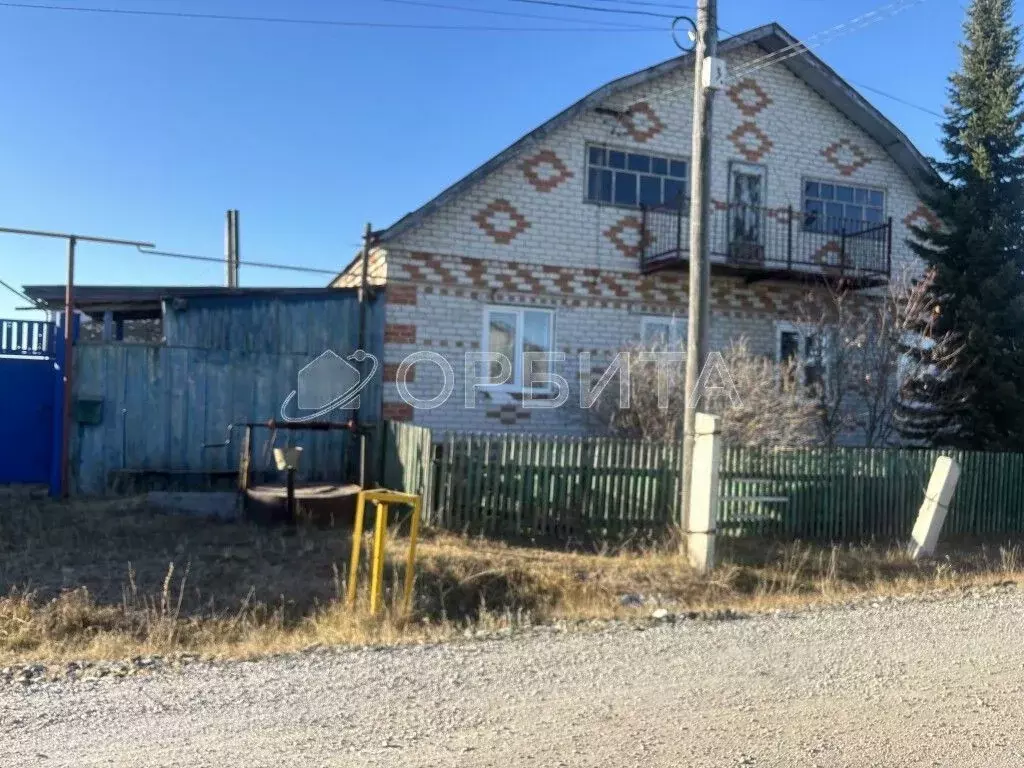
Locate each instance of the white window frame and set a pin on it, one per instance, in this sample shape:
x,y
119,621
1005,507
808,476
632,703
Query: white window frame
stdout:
x,y
804,330
676,325
516,384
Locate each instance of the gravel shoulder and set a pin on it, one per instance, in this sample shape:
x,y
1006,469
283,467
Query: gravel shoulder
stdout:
x,y
934,682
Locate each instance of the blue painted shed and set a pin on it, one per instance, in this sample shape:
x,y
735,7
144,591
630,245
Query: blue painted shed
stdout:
x,y
224,356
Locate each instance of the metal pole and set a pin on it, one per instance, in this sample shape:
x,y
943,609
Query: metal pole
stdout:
x,y
236,240
227,249
291,495
231,256
363,289
69,314
69,371
700,211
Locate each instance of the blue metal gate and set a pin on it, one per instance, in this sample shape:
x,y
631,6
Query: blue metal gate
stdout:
x,y
29,381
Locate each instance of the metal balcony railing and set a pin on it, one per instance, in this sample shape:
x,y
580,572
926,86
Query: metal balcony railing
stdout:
x,y
777,242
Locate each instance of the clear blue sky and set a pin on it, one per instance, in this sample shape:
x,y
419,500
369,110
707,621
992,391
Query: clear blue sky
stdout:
x,y
150,128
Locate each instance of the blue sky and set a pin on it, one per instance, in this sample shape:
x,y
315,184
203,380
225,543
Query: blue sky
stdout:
x,y
150,128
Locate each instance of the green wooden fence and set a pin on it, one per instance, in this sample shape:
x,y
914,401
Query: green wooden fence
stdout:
x,y
405,456
522,485
848,494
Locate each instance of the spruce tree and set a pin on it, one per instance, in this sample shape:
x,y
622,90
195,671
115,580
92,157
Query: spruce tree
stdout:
x,y
968,392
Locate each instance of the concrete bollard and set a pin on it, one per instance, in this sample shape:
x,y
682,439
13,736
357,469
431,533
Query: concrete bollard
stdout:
x,y
933,511
700,538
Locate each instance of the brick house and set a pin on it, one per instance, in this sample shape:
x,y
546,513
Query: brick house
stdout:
x,y
575,238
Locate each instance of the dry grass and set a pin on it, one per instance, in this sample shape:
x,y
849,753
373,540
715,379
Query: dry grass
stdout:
x,y
102,579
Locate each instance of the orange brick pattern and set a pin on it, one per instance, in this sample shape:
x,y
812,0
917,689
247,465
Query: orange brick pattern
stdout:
x,y
828,253
641,122
628,237
922,217
399,293
391,373
750,141
749,97
397,412
545,171
486,217
508,414
399,333
846,157
486,279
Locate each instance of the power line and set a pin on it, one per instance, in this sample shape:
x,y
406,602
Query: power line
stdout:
x,y
798,48
315,22
19,294
897,98
468,9
557,4
220,260
846,27
673,6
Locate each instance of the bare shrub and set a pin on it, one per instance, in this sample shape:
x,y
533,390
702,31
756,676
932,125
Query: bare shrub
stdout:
x,y
868,345
770,407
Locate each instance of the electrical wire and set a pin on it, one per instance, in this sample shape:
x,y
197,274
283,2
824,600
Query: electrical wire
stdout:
x,y
896,98
314,22
800,47
220,260
19,294
820,38
672,6
575,6
468,9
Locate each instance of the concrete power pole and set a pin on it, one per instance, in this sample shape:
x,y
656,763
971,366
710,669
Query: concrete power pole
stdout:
x,y
700,231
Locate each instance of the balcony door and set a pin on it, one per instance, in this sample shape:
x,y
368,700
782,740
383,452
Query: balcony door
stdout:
x,y
747,195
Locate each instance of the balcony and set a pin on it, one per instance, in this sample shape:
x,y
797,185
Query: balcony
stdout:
x,y
772,243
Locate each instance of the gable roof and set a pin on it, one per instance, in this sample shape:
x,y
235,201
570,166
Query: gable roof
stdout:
x,y
771,37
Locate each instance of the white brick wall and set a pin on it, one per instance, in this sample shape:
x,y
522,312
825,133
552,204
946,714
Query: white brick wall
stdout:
x,y
568,232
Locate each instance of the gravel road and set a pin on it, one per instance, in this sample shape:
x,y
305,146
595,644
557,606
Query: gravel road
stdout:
x,y
934,682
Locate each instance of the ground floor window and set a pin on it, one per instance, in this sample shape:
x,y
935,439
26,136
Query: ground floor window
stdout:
x,y
513,333
660,331
807,347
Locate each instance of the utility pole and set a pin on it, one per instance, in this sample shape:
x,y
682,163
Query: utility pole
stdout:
x,y
364,298
237,239
231,255
69,352
700,232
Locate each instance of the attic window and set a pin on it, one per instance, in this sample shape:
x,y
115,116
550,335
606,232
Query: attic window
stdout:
x,y
631,178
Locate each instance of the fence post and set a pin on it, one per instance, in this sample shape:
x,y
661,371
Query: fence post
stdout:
x,y
679,230
933,510
61,353
789,238
888,249
643,234
842,249
700,538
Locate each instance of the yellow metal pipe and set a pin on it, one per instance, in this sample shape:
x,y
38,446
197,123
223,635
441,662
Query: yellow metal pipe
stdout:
x,y
357,542
377,567
391,497
410,563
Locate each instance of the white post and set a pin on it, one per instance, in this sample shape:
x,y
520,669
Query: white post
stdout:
x,y
933,511
700,538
